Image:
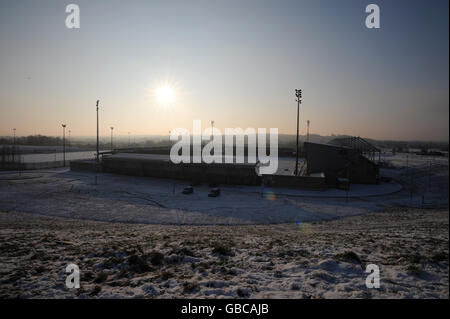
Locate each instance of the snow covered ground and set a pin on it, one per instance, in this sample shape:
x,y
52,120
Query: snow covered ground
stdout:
x,y
110,197
308,260
136,237
412,160
70,156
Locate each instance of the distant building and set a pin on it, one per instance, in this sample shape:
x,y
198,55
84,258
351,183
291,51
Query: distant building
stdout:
x,y
155,165
339,162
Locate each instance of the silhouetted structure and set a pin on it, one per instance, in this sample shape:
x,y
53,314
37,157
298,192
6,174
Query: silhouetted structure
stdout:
x,y
64,144
337,162
155,165
298,94
98,151
359,144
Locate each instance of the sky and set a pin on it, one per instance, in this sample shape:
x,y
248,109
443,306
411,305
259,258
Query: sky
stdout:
x,y
237,62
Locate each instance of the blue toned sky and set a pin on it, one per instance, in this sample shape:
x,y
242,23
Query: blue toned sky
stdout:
x,y
236,62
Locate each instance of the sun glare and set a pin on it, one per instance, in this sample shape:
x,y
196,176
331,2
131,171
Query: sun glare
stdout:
x,y
165,94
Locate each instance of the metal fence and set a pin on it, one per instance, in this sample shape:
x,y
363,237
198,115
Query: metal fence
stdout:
x,y
427,182
10,158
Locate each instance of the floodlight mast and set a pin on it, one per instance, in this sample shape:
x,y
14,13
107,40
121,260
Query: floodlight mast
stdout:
x,y
112,128
64,144
98,158
298,94
307,132
14,144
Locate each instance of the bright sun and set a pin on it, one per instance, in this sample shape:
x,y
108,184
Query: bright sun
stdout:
x,y
165,94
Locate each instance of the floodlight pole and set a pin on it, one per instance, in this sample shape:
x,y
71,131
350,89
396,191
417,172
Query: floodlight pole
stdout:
x,y
298,94
98,153
307,134
64,144
212,130
14,144
112,128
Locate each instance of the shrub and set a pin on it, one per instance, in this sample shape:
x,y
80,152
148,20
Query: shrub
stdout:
x,y
223,249
190,286
101,277
156,258
348,256
138,264
95,291
438,257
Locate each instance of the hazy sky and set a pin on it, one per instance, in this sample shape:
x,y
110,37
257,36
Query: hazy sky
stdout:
x,y
236,62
